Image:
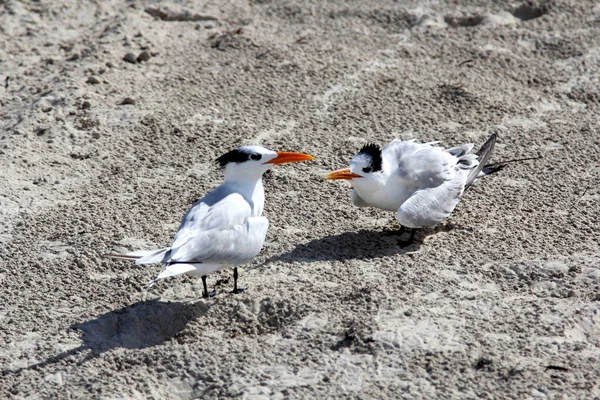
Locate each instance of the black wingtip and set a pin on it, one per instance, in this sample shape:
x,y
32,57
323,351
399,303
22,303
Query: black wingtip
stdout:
x,y
500,165
493,168
488,146
483,155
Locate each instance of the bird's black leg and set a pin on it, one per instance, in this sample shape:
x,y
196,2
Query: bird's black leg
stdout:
x,y
235,279
405,243
412,234
205,292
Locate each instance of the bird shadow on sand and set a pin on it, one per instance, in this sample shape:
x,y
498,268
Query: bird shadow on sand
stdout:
x,y
360,245
138,326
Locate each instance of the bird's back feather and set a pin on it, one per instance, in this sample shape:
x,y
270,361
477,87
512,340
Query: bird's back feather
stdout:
x,y
421,165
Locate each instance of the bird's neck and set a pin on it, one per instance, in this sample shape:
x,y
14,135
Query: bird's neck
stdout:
x,y
251,189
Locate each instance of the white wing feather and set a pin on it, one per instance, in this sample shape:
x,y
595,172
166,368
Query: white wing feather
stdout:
x,y
420,164
438,175
172,270
228,212
431,205
224,232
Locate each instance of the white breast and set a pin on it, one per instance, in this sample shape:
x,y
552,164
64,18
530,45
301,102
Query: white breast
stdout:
x,y
390,197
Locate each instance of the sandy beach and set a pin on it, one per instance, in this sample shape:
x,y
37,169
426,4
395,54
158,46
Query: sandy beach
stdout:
x,y
112,114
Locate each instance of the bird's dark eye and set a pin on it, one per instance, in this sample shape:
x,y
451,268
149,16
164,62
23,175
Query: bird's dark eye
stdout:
x,y
256,156
366,170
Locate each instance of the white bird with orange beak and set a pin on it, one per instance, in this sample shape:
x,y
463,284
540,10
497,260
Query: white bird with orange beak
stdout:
x,y
422,183
225,228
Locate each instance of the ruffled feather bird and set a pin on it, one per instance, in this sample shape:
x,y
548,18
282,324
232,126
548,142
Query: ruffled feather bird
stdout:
x,y
421,182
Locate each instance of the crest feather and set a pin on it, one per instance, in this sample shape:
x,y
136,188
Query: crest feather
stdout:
x,y
374,152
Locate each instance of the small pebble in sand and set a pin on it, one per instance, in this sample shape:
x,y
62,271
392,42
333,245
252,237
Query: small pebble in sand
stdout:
x,y
144,56
94,80
109,64
128,100
130,58
47,109
86,104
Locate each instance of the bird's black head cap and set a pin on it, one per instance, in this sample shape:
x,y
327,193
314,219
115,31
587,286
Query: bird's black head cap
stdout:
x,y
237,156
373,151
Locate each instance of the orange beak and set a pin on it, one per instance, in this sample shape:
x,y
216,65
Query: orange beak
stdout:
x,y
288,156
342,174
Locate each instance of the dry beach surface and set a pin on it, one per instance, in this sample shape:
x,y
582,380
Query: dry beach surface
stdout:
x,y
99,154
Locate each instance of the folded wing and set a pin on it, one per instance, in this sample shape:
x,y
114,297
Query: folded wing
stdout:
x,y
430,205
424,165
439,177
223,232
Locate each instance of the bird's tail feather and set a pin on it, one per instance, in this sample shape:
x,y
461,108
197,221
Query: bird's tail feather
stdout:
x,y
497,166
489,169
158,256
460,151
172,270
141,256
120,256
483,155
